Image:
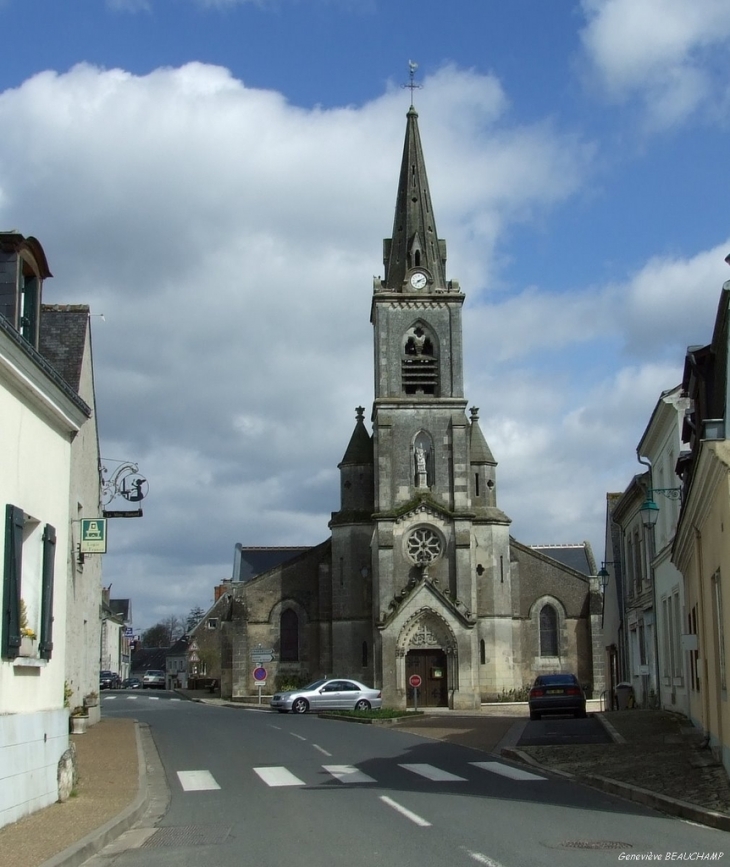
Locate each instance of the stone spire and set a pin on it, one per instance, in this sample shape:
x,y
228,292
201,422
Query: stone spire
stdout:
x,y
360,449
479,451
415,243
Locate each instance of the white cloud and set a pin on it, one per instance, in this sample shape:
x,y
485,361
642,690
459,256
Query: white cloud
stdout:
x,y
661,50
229,239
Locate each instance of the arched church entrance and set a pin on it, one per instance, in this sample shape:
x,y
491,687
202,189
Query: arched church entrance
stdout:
x,y
429,647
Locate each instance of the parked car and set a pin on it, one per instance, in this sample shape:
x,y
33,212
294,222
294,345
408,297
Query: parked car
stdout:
x,y
132,683
328,694
109,680
556,693
153,678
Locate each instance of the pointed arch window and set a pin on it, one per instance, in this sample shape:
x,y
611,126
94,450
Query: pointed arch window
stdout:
x,y
289,636
548,631
482,652
419,362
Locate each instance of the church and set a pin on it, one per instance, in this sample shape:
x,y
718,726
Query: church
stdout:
x,y
420,574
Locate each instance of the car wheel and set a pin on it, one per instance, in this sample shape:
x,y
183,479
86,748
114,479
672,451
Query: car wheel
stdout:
x,y
363,704
534,714
300,705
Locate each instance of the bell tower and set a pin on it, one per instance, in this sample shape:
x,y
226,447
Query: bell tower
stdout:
x,y
439,543
416,315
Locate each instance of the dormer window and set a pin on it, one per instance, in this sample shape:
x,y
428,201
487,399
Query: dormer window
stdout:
x,y
22,270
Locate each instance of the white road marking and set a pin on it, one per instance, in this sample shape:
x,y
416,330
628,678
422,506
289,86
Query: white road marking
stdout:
x,y
507,771
109,697
132,697
404,812
278,777
153,698
197,781
322,750
482,859
293,734
432,773
347,774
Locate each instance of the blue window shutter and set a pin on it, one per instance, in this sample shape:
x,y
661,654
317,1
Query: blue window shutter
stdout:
x,y
14,521
49,557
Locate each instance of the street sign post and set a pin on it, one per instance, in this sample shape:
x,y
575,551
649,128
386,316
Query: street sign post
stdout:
x,y
415,681
259,675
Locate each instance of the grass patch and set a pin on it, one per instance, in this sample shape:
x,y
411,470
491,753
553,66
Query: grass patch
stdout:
x,y
376,713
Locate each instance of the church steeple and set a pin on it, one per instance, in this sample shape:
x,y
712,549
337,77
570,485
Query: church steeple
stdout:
x,y
414,247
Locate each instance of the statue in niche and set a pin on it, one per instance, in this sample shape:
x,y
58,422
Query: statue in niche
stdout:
x,y
421,469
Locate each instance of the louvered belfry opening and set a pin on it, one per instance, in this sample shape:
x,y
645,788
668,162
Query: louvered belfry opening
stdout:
x,y
419,365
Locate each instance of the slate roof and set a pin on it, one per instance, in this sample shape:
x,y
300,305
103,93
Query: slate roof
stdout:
x,y
63,338
148,657
254,561
122,608
576,557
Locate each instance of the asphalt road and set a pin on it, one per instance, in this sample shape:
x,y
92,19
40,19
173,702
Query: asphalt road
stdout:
x,y
252,787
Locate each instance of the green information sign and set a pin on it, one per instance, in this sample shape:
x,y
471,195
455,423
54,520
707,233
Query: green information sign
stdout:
x,y
93,536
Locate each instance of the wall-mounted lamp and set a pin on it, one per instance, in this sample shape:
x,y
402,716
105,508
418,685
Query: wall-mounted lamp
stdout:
x,y
649,509
603,575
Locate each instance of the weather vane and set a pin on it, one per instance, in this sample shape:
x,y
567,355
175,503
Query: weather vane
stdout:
x,y
412,67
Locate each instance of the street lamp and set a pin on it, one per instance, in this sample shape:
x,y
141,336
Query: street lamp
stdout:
x,y
603,575
649,509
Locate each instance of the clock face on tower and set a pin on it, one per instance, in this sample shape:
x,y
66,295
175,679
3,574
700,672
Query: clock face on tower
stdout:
x,y
418,280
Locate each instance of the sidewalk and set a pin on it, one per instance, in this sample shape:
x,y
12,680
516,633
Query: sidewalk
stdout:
x,y
108,792
656,758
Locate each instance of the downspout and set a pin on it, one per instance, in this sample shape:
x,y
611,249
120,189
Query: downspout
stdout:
x,y
645,462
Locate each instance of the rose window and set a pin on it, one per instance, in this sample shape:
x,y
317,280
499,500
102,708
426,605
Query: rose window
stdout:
x,y
424,546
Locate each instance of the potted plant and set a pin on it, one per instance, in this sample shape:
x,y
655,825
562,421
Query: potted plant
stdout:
x,y
27,635
79,719
92,699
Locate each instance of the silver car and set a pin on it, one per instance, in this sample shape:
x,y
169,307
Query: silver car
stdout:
x,y
328,694
153,678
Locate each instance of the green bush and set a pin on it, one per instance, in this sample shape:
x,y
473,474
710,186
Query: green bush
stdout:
x,y
286,682
520,694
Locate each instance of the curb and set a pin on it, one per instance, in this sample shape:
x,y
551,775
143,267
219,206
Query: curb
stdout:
x,y
663,803
96,840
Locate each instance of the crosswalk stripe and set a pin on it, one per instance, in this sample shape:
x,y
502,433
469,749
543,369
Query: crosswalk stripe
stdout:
x,y
197,781
278,777
347,774
507,771
433,773
109,697
132,697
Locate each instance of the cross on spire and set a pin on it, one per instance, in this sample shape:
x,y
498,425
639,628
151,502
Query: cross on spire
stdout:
x,y
412,67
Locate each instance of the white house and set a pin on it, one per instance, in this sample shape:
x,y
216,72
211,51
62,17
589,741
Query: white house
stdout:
x,y
661,446
41,416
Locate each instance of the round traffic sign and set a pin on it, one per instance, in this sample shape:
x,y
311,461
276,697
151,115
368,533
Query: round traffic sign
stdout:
x,y
415,680
259,674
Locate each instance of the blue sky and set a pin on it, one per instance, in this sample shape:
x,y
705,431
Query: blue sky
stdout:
x,y
216,178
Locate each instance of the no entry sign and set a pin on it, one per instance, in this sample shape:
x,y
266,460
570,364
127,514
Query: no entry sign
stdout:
x,y
415,680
